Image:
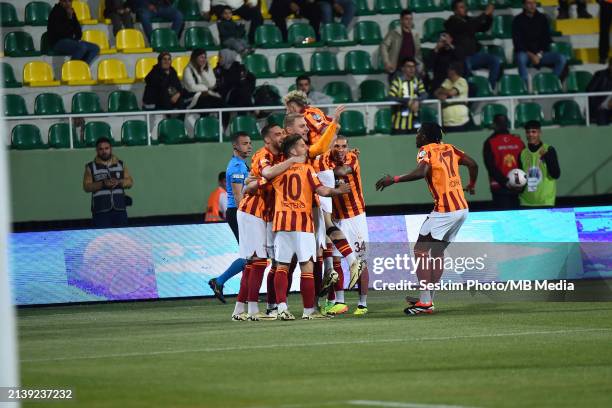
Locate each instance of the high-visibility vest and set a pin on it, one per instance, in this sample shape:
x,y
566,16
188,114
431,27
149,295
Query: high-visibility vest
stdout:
x,y
213,211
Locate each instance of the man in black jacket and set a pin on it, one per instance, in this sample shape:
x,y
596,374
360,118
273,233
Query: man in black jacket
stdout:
x,y
439,59
64,34
601,106
163,89
531,38
463,29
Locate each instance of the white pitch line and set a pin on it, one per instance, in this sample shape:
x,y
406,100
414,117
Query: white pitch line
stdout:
x,y
310,344
391,404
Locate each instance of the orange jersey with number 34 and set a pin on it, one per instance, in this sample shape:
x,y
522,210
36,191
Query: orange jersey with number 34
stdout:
x,y
444,180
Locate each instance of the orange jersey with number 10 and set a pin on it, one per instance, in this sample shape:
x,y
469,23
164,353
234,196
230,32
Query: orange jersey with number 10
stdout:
x,y
444,181
293,198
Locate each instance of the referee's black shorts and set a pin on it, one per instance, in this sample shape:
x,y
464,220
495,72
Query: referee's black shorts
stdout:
x,y
232,220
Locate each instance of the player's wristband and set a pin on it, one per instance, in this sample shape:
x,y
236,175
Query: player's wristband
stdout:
x,y
396,179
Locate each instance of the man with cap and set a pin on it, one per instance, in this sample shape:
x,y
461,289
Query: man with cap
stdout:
x,y
540,162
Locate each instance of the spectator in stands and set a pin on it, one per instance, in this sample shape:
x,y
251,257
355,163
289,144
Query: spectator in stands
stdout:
x,y
440,58
232,34
246,9
605,19
64,34
501,153
453,93
399,44
540,162
200,80
601,106
581,10
119,14
149,9
217,202
234,82
309,9
302,83
163,89
463,29
408,90
106,178
343,8
531,38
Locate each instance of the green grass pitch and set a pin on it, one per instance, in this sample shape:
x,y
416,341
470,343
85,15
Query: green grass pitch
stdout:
x,y
187,353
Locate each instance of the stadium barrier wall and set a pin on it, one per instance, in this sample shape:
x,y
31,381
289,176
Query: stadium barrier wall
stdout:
x,y
177,261
46,185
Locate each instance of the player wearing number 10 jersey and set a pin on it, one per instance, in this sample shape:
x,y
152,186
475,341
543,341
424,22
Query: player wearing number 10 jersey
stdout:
x,y
438,163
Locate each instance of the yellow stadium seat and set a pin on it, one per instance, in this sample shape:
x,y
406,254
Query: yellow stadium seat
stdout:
x,y
265,12
113,71
213,61
143,67
81,9
179,64
39,73
99,38
101,7
76,73
131,41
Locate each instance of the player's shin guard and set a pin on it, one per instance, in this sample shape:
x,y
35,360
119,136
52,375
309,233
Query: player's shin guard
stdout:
x,y
339,286
280,284
328,256
307,288
244,283
270,289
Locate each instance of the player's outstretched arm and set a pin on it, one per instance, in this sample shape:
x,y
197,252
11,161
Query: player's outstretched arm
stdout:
x,y
271,172
331,192
472,166
420,172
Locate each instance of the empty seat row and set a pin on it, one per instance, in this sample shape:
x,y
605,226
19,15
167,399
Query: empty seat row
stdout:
x,y
543,83
332,34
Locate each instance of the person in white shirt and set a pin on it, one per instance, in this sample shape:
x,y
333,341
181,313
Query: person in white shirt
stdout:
x,y
454,92
199,79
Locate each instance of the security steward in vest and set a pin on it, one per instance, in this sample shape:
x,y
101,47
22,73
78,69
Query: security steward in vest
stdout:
x,y
105,178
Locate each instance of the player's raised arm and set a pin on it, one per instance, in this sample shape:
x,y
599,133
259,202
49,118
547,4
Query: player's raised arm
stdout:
x,y
327,139
472,166
331,192
420,172
271,172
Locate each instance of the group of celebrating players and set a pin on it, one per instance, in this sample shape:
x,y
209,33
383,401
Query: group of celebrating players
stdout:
x,y
301,203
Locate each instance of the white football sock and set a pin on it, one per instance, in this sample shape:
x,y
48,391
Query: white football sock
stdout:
x,y
350,258
239,308
308,310
329,263
271,306
431,293
282,307
363,300
253,308
425,296
340,296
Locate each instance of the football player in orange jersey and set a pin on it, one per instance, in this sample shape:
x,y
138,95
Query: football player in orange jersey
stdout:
x,y
438,164
316,120
294,226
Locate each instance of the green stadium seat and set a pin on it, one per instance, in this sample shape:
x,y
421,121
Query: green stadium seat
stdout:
x,y
165,39
428,114
546,83
122,101
482,85
424,6
372,90
277,118
134,133
477,4
527,111
298,32
357,62
335,34
96,130
577,81
19,44
324,63
289,64
200,37
245,123
49,104
489,111
382,121
500,52
367,33
387,6
26,137
86,102
8,77
502,26
37,13
190,9
446,5
432,28
8,16
362,8
172,131
352,123
340,92
269,36
257,64
565,48
59,136
14,105
206,129
510,85
567,113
